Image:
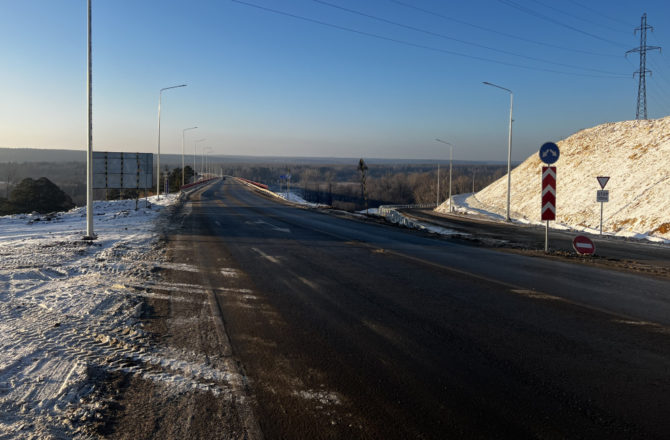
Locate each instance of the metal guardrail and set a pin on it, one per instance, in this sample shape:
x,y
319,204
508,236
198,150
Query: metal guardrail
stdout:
x,y
390,213
385,210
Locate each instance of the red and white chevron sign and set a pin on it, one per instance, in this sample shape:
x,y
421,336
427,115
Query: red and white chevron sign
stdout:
x,y
548,193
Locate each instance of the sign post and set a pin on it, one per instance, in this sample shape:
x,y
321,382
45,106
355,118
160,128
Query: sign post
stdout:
x,y
549,154
602,196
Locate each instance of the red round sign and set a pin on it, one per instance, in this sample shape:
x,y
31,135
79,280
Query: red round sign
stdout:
x,y
583,245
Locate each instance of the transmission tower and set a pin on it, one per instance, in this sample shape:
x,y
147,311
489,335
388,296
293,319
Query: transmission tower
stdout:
x,y
642,73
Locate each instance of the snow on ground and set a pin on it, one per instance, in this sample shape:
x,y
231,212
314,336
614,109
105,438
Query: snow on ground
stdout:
x,y
636,156
68,311
293,197
393,215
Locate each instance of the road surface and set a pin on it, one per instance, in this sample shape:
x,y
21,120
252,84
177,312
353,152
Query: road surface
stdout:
x,y
347,329
634,254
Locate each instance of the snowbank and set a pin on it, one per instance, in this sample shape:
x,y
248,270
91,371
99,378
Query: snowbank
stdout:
x,y
636,156
293,197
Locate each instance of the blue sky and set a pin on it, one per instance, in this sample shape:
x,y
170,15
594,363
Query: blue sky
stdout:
x,y
374,78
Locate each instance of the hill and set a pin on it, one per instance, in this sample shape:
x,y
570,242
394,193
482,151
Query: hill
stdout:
x,y
636,156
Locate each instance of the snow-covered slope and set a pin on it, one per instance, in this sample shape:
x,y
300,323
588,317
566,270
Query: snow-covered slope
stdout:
x,y
63,317
636,156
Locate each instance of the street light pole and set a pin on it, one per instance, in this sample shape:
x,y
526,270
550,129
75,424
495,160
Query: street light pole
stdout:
x,y
203,163
509,146
194,147
182,154
205,168
158,158
437,201
451,153
90,235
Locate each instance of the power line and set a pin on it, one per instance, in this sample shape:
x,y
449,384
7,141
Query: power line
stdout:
x,y
658,92
556,22
659,71
642,72
600,13
420,46
577,17
505,34
458,40
660,88
665,60
660,98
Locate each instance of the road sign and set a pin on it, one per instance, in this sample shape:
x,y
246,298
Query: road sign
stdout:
x,y
602,180
583,245
549,153
122,170
602,195
548,193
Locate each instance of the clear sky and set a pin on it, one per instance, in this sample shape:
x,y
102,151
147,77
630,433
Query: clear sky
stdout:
x,y
342,78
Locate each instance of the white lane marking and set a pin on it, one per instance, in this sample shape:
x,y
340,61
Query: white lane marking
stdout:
x,y
228,272
270,258
270,225
217,223
536,295
309,283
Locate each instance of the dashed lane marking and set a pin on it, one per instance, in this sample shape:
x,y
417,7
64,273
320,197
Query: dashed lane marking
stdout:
x,y
270,258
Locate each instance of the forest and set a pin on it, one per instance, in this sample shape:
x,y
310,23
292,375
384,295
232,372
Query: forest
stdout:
x,y
341,185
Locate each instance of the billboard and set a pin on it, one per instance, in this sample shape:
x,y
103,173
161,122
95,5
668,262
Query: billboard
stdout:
x,y
122,170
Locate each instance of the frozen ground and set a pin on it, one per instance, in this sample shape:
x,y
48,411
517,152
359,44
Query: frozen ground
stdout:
x,y
293,197
69,314
634,154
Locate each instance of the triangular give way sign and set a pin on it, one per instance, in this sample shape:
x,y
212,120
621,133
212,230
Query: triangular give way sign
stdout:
x,y
602,180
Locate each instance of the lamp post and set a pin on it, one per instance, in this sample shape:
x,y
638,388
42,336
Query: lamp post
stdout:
x,y
203,163
451,153
509,145
194,148
90,235
182,154
158,158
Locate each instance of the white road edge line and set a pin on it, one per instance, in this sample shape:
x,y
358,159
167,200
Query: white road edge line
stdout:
x,y
270,258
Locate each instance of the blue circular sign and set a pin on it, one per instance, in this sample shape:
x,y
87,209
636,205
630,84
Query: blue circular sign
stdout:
x,y
549,153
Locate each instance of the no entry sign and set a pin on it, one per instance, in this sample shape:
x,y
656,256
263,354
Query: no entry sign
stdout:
x,y
548,193
583,245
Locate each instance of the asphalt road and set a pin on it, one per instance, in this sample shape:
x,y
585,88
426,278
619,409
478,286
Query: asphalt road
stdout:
x,y
347,329
525,236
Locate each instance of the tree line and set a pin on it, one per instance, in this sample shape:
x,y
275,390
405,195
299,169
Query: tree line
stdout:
x,y
340,185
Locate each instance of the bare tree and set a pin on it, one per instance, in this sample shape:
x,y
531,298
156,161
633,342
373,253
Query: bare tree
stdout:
x,y
11,172
363,168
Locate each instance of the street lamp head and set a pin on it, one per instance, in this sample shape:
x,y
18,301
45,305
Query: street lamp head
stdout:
x,y
496,85
440,140
173,87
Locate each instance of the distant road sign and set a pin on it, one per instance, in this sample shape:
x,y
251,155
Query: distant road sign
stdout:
x,y
548,193
122,170
602,180
583,245
603,195
549,153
